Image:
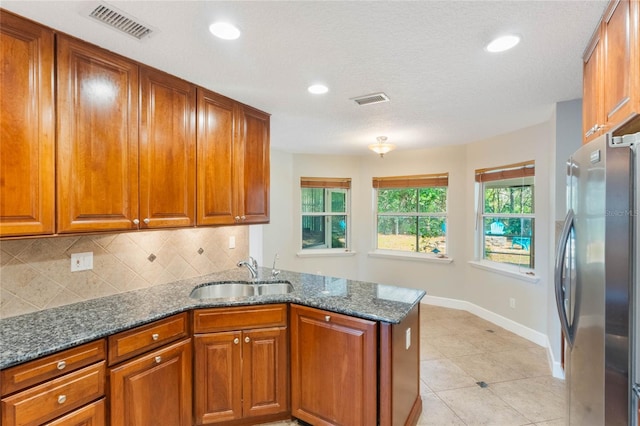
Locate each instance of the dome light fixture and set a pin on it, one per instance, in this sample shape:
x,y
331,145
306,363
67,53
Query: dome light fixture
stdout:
x,y
224,30
318,89
382,146
500,44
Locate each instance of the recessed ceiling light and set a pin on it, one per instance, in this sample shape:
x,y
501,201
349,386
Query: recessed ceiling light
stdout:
x,y
318,89
224,30
503,43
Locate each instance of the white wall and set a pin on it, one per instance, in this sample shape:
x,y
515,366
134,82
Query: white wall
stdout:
x,y
487,290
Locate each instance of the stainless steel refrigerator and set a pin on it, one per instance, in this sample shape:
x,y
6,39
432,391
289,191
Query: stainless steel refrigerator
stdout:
x,y
596,282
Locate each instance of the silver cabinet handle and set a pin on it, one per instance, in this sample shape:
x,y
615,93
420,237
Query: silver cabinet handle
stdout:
x,y
155,336
62,399
247,339
237,218
146,220
327,318
61,365
158,359
236,341
243,217
136,222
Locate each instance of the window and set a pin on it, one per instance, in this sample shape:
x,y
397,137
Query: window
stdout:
x,y
506,214
325,213
412,213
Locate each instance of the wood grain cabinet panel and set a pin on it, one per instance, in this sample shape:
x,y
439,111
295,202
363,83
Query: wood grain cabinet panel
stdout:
x,y
167,150
153,389
28,127
241,375
56,397
90,415
97,146
611,72
333,368
233,162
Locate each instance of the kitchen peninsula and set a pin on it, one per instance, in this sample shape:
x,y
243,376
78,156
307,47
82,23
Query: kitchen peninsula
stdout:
x,y
279,354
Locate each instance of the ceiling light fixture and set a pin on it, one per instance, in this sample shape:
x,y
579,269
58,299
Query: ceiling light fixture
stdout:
x,y
224,30
382,146
318,89
503,43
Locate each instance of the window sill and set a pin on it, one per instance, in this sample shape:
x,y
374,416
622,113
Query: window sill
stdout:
x,y
499,269
409,256
325,253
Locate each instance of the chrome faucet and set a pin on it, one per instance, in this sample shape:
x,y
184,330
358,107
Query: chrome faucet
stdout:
x,y
274,271
252,266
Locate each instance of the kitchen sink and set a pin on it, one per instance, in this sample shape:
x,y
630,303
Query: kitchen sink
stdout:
x,y
217,290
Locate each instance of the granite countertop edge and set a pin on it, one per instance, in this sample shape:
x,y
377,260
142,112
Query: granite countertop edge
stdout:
x,y
30,336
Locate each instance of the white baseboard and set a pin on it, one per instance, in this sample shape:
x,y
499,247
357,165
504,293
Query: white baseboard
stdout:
x,y
514,327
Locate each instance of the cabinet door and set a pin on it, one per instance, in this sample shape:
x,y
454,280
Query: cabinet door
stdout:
x,y
218,378
253,175
154,389
617,72
97,175
216,159
333,368
265,372
592,109
167,150
28,128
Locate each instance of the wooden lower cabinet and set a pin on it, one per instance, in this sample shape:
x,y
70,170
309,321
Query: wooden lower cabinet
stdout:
x,y
241,372
153,389
333,368
89,415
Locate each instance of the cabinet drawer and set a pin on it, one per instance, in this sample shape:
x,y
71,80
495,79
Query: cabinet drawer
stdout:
x,y
49,400
49,367
239,318
89,415
133,342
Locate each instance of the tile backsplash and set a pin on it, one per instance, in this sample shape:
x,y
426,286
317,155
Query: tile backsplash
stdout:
x,y
35,274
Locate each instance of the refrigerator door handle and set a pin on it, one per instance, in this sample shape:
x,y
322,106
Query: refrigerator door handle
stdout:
x,y
561,292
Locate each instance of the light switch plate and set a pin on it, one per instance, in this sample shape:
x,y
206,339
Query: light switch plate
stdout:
x,y
408,338
232,242
81,261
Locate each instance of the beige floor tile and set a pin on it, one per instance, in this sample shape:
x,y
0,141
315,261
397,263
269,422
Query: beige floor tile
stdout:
x,y
441,374
478,406
531,362
538,398
436,413
453,345
487,369
555,422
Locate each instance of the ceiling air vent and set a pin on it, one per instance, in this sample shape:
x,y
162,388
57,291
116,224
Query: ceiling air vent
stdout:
x,y
114,18
374,98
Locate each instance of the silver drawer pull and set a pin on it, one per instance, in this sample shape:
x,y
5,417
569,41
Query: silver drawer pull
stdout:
x,y
236,341
158,359
155,336
62,399
327,318
61,365
247,339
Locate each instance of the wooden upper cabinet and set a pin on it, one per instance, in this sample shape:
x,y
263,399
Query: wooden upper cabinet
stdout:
x,y
253,174
233,162
97,174
28,127
167,150
612,70
216,159
592,106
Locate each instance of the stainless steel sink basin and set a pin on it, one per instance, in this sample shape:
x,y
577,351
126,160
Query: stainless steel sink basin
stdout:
x,y
240,289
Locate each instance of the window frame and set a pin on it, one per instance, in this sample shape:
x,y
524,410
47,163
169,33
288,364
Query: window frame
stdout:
x,y
525,171
328,185
416,182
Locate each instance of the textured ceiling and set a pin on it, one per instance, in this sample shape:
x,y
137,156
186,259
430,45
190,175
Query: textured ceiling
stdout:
x,y
427,56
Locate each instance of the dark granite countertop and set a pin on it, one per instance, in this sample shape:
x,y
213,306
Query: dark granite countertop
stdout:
x,y
30,336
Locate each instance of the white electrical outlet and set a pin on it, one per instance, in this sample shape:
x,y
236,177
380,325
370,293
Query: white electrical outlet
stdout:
x,y
232,242
81,261
512,303
408,338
